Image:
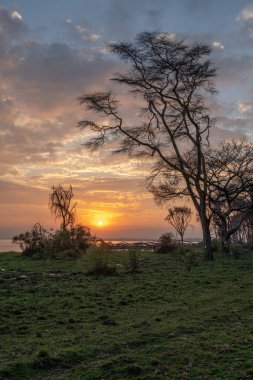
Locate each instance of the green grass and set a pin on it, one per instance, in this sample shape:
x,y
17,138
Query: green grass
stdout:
x,y
164,322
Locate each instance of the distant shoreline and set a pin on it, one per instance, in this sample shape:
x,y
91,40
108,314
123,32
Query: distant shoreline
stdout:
x,y
6,245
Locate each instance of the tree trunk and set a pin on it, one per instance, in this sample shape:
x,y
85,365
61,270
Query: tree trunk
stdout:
x,y
250,242
207,241
225,246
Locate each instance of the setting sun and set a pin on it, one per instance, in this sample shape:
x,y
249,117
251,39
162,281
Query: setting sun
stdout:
x,y
100,223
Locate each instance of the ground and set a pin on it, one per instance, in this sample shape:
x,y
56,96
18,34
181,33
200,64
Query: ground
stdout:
x,y
175,319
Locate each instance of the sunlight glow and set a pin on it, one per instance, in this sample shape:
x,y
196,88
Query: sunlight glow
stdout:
x,y
101,219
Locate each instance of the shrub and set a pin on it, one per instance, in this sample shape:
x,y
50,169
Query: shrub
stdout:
x,y
236,249
133,261
99,261
166,243
72,242
187,256
34,242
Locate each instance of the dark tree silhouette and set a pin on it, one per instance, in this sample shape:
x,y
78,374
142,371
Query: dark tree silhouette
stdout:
x,y
171,78
230,188
179,218
61,205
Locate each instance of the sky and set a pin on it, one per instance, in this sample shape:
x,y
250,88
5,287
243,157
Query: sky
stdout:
x,y
52,52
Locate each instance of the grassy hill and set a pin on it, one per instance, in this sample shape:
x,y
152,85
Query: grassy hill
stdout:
x,y
175,319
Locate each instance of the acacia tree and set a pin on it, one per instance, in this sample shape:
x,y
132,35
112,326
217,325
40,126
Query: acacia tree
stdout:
x,y
230,188
171,78
244,235
179,218
62,206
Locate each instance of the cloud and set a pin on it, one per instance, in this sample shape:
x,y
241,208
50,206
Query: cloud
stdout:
x,y
245,17
138,15
81,30
246,14
240,125
16,15
86,34
11,25
235,70
218,45
245,107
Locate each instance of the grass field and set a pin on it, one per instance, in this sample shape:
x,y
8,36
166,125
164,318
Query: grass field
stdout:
x,y
169,321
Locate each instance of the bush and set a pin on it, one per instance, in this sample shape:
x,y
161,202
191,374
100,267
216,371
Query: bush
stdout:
x,y
34,242
133,263
166,244
236,250
187,256
99,261
71,243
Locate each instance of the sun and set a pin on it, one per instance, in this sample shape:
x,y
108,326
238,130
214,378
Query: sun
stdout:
x,y
100,223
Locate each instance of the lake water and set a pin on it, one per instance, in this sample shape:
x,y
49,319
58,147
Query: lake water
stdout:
x,y
7,245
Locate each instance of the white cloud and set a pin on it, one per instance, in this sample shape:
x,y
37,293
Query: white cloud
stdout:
x,y
86,35
245,106
246,14
16,15
218,45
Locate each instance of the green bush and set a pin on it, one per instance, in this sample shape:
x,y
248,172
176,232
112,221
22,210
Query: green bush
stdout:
x,y
166,243
33,243
187,256
71,243
133,265
99,257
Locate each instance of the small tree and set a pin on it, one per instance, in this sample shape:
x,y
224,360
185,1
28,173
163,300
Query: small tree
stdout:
x,y
179,218
61,205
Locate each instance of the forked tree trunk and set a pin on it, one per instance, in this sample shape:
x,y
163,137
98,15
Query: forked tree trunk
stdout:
x,y
205,224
